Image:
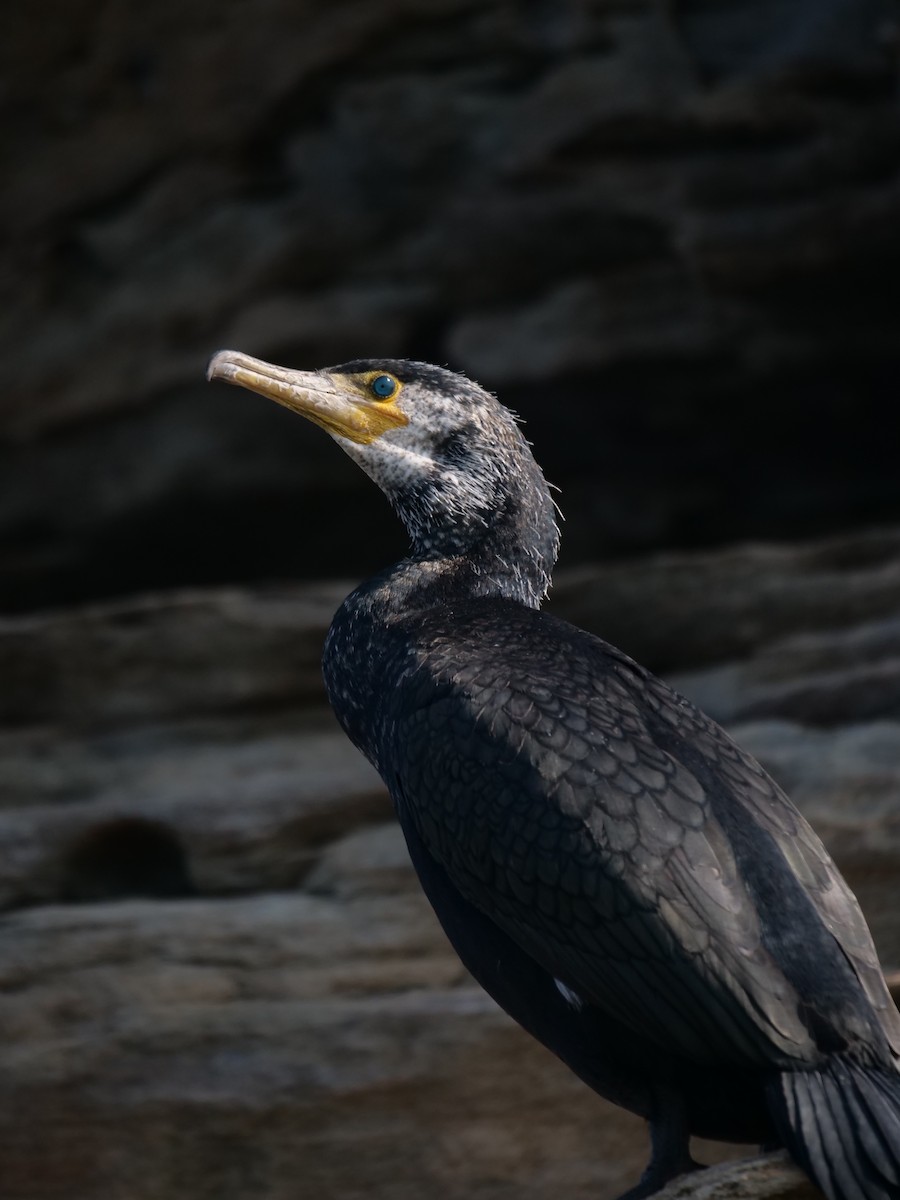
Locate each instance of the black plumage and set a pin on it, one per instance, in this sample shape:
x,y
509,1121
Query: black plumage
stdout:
x,y
624,880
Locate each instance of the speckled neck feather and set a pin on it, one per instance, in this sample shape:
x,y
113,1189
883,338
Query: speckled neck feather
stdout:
x,y
464,482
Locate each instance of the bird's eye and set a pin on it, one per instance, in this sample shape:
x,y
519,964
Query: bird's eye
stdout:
x,y
383,386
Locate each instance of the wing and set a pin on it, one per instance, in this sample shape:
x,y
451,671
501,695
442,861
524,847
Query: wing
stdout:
x,y
598,819
797,842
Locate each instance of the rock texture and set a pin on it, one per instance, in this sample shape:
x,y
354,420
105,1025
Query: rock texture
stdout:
x,y
679,611
681,214
218,976
771,1177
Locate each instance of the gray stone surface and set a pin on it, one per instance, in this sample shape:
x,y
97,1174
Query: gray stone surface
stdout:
x,y
213,806
170,655
769,1177
829,604
283,1045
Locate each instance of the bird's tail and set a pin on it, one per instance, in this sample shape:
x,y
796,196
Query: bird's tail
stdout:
x,y
841,1123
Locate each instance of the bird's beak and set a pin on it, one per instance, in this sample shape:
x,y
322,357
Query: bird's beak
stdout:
x,y
335,403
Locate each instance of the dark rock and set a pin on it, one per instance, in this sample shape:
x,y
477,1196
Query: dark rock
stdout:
x,y
666,232
156,657
815,678
214,806
836,598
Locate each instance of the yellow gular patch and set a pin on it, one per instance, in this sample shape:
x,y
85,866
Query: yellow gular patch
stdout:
x,y
379,413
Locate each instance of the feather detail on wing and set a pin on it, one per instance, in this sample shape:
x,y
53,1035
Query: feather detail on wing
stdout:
x,y
565,816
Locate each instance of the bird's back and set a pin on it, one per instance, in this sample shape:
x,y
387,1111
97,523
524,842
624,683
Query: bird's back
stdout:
x,y
624,841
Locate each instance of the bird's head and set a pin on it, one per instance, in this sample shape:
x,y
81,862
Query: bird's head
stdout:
x,y
450,458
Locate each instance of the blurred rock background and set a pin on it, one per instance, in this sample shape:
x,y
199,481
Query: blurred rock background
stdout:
x,y
668,233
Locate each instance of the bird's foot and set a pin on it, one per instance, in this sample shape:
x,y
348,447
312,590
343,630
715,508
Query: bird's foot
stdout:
x,y
671,1142
653,1181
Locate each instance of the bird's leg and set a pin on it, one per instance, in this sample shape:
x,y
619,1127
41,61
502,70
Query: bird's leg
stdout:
x,y
670,1146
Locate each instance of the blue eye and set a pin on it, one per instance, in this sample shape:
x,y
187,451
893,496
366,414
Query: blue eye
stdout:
x,y
383,386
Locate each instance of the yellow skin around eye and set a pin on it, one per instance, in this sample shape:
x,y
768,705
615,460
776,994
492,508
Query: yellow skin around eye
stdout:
x,y
369,379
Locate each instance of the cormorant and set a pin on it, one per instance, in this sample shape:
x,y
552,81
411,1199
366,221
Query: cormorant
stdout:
x,y
624,880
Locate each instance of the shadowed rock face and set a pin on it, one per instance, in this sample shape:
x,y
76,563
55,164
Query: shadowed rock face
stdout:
x,y
667,233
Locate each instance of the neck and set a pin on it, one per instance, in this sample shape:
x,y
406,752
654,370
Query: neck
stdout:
x,y
374,633
506,562
501,543
493,542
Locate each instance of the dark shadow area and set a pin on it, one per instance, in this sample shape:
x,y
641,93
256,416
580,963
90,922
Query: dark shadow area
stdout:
x,y
126,857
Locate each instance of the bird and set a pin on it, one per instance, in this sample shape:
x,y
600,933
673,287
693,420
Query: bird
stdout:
x,y
625,881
